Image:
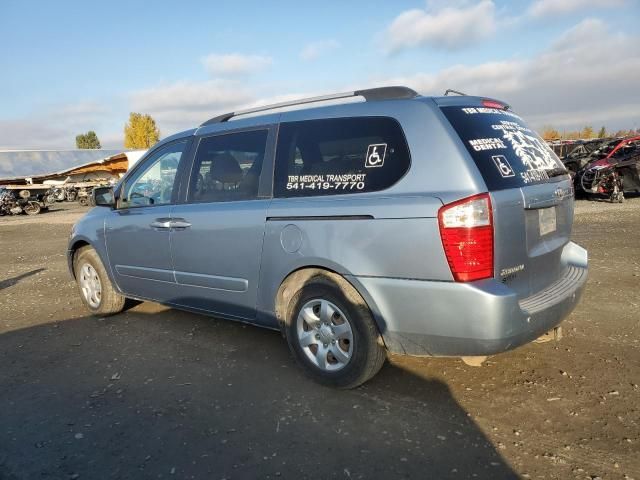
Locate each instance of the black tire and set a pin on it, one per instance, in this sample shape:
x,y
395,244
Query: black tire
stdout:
x,y
83,201
110,301
368,353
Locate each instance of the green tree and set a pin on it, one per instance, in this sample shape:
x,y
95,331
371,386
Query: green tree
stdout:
x,y
587,132
141,131
88,140
602,133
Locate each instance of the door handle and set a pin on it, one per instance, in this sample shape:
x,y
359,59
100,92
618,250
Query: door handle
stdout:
x,y
179,224
161,223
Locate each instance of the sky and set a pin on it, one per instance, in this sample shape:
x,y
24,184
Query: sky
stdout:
x,y
69,66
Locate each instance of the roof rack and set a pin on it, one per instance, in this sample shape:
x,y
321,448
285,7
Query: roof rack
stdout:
x,y
456,92
371,94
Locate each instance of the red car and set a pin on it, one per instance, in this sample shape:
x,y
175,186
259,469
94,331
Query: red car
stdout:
x,y
621,150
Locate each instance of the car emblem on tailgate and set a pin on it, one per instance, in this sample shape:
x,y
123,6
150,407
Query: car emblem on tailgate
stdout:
x,y
560,192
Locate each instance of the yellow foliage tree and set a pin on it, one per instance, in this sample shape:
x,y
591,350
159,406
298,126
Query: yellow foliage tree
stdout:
x,y
573,135
141,131
587,132
550,133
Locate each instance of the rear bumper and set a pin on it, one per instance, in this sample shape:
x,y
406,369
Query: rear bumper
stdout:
x,y
466,319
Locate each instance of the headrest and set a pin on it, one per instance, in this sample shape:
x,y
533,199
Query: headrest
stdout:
x,y
225,169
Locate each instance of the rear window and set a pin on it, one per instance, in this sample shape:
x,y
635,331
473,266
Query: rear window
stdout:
x,y
339,156
507,152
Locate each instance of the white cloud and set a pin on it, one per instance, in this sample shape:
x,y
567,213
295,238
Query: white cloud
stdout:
x,y
563,85
314,50
55,126
183,105
449,28
235,63
572,83
546,8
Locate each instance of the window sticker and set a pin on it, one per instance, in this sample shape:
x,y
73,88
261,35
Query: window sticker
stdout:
x,y
503,166
328,181
375,155
534,154
480,144
492,111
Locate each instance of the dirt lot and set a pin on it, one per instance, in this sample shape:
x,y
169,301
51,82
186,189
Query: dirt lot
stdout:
x,y
158,393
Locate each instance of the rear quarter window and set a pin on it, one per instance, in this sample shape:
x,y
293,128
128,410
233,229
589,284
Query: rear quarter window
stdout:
x,y
507,152
339,156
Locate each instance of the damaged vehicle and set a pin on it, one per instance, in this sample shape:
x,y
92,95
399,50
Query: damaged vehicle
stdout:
x,y
616,179
580,155
612,172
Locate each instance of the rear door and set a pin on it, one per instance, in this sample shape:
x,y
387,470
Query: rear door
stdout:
x,y
217,234
531,194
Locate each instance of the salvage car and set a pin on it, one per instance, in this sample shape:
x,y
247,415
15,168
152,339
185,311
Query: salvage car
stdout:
x,y
577,158
615,178
429,226
600,175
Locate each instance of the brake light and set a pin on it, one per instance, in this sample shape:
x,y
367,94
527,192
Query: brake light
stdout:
x,y
494,104
466,230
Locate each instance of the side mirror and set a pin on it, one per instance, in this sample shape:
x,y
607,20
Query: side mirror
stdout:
x,y
103,197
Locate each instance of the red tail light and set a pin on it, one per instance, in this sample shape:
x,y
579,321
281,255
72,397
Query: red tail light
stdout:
x,y
466,230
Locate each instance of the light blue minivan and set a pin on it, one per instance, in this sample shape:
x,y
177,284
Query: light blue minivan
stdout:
x,y
356,223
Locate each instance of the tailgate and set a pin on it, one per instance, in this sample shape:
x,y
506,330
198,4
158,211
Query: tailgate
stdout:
x,y
531,227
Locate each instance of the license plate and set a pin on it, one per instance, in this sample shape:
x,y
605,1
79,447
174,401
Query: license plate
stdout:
x,y
547,218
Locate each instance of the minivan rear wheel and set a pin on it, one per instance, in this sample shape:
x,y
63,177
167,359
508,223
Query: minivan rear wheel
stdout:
x,y
331,333
96,290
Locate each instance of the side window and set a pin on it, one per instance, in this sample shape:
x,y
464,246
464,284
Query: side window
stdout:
x,y
154,184
227,167
338,156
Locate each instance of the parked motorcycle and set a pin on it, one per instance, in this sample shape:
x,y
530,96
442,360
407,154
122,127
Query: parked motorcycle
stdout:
x,y
71,194
10,205
83,196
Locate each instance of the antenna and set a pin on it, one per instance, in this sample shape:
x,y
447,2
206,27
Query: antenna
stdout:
x,y
456,92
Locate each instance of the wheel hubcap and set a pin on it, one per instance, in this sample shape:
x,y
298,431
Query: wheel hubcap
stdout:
x,y
325,335
90,285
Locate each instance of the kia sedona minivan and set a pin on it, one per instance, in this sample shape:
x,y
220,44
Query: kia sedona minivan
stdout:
x,y
357,223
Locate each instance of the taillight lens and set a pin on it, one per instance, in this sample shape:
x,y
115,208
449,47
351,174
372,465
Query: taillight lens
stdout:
x,y
466,229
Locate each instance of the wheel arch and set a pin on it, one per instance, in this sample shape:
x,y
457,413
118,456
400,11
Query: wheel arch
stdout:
x,y
81,242
296,279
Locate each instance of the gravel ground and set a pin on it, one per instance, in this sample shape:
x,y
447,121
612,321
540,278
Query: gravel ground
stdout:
x,y
158,393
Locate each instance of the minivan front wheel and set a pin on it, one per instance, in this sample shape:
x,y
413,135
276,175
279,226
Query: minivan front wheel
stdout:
x,y
331,333
96,290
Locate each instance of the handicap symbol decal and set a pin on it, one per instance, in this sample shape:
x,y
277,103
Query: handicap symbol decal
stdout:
x,y
375,155
503,166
